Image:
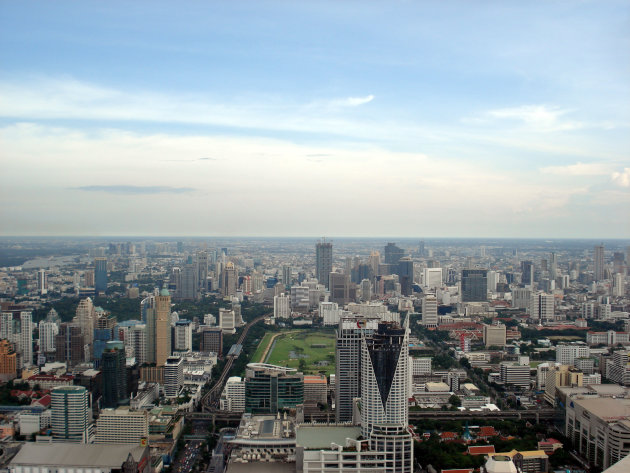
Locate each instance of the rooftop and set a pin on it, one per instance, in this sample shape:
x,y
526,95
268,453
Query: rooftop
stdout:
x,y
76,455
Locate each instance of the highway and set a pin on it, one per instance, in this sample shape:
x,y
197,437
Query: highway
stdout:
x,y
213,395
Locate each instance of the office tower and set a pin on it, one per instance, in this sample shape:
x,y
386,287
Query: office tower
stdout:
x,y
493,280
88,278
421,251
202,265
257,282
86,318
114,374
137,339
339,288
24,340
281,307
393,254
323,262
514,374
233,395
527,270
429,311
70,345
494,335
329,312
162,327
238,315
553,265
212,340
189,289
315,389
42,281
227,321
618,262
561,376
366,290
521,298
385,394
619,289
542,307
173,376
405,275
8,361
374,260
598,262
47,333
348,361
432,278
7,327
299,297
474,285
100,275
287,275
229,280
183,335
567,354
270,388
122,426
70,414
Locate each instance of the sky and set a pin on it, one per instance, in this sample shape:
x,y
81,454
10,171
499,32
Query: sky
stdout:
x,y
341,118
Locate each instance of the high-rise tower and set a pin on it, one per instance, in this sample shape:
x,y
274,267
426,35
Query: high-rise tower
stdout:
x,y
70,418
598,262
323,261
100,275
114,377
474,285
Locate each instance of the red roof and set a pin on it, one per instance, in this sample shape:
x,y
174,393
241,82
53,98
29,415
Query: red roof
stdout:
x,y
487,431
448,435
481,450
43,401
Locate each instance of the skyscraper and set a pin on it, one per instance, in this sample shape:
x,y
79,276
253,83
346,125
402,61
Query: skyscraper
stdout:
x,y
100,275
542,307
598,262
474,285
405,275
527,270
69,344
42,281
70,417
229,280
393,253
348,361
323,262
114,377
339,288
202,263
157,310
189,282
385,394
287,275
429,311
86,318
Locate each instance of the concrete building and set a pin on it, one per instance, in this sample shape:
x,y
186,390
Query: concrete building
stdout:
x,y
71,415
122,426
8,361
515,374
229,280
541,307
271,388
67,457
281,306
598,262
212,340
432,278
173,376
420,365
339,285
330,313
227,321
47,333
348,361
561,376
474,285
521,298
494,335
183,335
233,396
323,262
429,311
567,354
599,428
315,389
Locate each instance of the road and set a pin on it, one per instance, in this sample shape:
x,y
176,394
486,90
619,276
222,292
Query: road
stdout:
x,y
187,458
213,395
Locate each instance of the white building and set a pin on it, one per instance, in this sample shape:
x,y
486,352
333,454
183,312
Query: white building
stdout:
x,y
432,278
173,376
429,311
47,333
122,426
542,307
70,414
515,374
282,306
420,365
330,312
618,289
227,321
183,335
233,396
567,354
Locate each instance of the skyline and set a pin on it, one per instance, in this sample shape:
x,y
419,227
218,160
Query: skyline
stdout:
x,y
471,120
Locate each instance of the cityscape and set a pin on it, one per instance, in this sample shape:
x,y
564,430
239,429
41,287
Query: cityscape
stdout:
x,y
316,236
314,355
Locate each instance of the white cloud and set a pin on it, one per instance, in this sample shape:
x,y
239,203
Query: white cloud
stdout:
x,y
578,169
622,178
542,118
355,101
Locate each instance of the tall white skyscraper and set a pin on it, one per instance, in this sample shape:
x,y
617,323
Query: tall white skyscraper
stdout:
x,y
47,332
618,289
42,281
282,306
429,311
25,339
432,277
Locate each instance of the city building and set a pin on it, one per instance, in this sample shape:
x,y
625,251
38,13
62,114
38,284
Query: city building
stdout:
x,y
393,254
47,333
515,374
157,310
8,361
315,389
233,395
567,354
71,414
70,346
329,312
432,278
100,275
323,261
281,306
541,307
67,457
561,376
429,311
598,262
114,374
173,376
271,388
339,285
349,333
122,426
474,285
494,335
229,280
227,321
183,335
212,340
599,428
405,275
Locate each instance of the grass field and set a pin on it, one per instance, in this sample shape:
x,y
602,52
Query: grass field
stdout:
x,y
292,347
262,346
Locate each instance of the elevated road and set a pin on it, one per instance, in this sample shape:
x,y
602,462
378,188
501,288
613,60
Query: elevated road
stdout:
x,y
213,395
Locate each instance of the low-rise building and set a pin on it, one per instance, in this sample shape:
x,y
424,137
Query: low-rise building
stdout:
x,y
122,426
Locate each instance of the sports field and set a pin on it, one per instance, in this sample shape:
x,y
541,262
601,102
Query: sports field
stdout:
x,y
316,351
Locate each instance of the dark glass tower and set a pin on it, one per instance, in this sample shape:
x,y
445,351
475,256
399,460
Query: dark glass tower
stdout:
x,y
323,262
100,275
474,285
114,375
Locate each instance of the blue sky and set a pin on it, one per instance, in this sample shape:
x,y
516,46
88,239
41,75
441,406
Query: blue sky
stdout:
x,y
449,118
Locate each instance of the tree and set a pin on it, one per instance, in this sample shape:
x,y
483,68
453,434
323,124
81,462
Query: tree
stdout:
x,y
455,401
